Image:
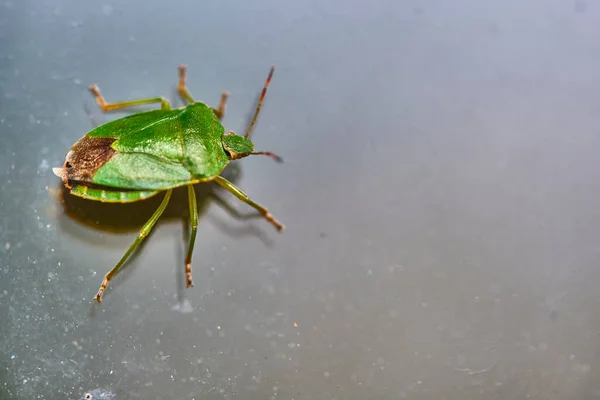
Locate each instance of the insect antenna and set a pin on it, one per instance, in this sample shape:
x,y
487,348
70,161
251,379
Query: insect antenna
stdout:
x,y
268,154
260,101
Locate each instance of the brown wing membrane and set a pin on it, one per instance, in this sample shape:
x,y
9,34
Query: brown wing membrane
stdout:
x,y
85,158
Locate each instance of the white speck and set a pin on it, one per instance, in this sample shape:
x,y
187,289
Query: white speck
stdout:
x,y
13,357
77,81
7,245
99,393
326,374
44,165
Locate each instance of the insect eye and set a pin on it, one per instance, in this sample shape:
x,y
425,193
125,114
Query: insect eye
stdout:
x,y
68,165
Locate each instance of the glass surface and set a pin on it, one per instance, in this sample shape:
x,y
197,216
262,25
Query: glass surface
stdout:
x,y
440,188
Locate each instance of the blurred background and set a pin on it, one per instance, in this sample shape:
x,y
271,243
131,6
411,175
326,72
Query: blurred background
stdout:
x,y
440,188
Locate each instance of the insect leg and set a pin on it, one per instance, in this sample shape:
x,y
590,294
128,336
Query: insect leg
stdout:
x,y
230,187
220,111
143,233
185,93
182,87
105,106
194,224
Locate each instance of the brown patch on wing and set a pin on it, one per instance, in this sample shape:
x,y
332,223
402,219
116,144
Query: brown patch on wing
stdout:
x,y
85,158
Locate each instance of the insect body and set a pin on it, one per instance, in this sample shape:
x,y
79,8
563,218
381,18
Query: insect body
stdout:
x,y
141,155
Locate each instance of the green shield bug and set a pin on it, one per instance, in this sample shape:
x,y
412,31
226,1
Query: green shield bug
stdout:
x,y
140,155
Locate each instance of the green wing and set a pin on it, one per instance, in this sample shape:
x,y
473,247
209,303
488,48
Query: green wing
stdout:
x,y
131,123
139,171
156,132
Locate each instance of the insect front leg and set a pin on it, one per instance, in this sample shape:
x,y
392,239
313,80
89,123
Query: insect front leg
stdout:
x,y
185,93
106,107
194,225
244,197
142,235
220,111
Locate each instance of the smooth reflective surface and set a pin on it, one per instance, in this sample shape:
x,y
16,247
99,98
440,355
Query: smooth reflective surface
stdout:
x,y
440,188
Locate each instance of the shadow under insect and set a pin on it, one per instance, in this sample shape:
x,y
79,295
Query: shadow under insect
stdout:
x,y
130,217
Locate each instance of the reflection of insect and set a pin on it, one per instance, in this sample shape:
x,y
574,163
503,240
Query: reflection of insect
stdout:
x,y
141,155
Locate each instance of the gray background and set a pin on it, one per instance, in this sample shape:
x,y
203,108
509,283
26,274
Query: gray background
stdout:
x,y
441,190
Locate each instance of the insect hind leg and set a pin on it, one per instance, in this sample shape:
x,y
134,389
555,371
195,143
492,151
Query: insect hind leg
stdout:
x,y
194,226
142,235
